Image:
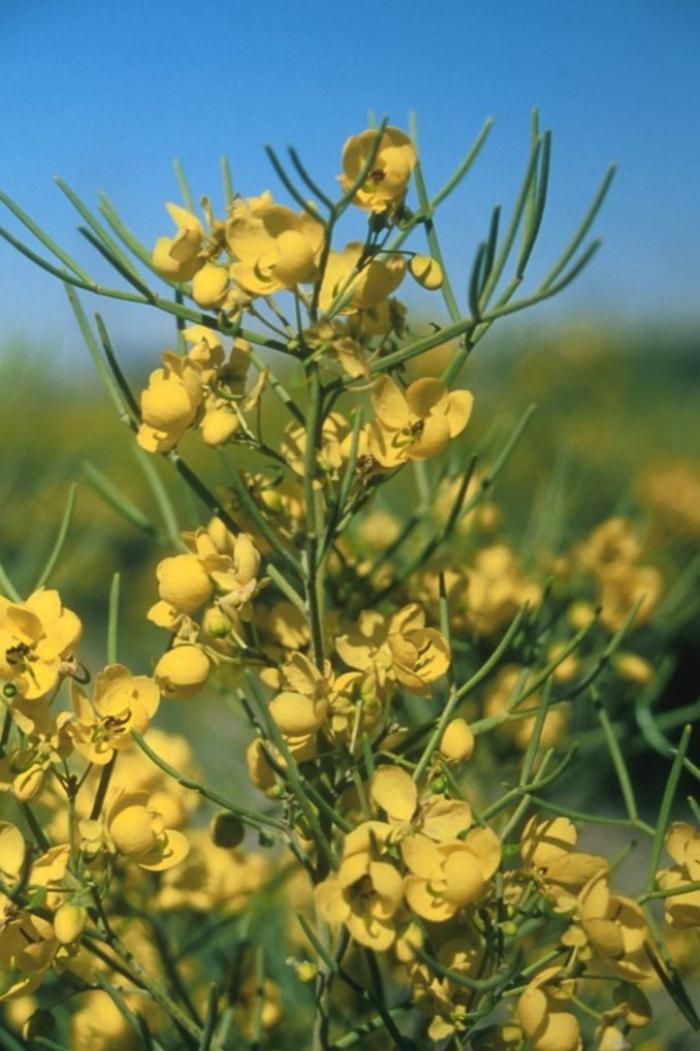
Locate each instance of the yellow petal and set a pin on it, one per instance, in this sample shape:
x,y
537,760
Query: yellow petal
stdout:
x,y
395,792
389,404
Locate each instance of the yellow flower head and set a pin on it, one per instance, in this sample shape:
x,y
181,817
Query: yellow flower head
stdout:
x,y
37,638
417,423
359,283
273,247
366,891
138,832
385,184
177,258
397,648
121,702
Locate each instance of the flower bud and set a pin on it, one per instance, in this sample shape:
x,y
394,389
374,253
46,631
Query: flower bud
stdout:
x,y
215,623
132,831
29,783
69,922
218,426
182,671
166,405
226,830
209,285
457,743
426,271
183,582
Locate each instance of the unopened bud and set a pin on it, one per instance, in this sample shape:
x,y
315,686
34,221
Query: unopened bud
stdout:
x,y
69,923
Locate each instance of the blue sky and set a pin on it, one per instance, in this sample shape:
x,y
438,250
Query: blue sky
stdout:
x,y
107,94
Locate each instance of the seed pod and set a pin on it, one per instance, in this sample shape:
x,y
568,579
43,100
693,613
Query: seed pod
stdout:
x,y
226,830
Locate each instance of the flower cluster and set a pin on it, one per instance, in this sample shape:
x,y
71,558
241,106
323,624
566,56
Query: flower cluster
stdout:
x,y
384,688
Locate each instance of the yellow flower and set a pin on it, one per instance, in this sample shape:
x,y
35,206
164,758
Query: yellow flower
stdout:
x,y
169,403
138,832
386,183
683,844
302,708
46,742
364,283
366,891
417,423
273,247
177,258
182,671
27,949
546,1023
37,639
121,703
335,436
183,582
217,562
615,928
446,876
398,648
547,850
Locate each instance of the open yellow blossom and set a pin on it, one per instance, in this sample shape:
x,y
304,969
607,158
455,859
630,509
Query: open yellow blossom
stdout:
x,y
335,436
359,283
366,891
547,849
177,258
417,423
615,928
37,640
434,816
273,247
25,767
218,563
447,875
121,703
385,185
27,949
397,648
